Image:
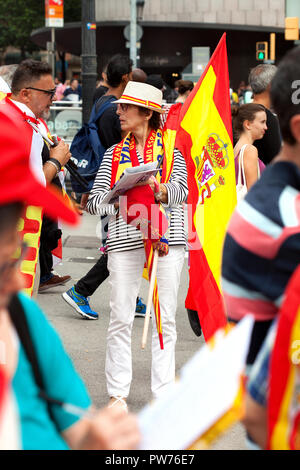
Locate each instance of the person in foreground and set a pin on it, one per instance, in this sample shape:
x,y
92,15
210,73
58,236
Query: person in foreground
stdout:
x,y
262,244
279,238
39,370
139,109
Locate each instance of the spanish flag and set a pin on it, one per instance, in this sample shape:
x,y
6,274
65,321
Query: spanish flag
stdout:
x,y
284,396
204,137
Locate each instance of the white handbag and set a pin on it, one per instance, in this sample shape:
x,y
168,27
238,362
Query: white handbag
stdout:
x,y
241,188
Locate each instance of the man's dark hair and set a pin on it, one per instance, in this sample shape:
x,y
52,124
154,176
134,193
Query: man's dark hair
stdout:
x,y
184,86
156,81
118,66
28,72
285,88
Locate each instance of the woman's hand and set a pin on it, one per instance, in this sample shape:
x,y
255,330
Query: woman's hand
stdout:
x,y
160,190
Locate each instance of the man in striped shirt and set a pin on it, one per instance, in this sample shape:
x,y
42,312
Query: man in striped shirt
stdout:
x,y
262,246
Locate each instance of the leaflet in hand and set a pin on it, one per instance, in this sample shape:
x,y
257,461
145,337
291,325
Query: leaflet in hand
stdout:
x,y
130,178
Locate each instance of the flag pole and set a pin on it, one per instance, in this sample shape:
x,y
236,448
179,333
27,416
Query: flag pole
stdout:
x,y
150,298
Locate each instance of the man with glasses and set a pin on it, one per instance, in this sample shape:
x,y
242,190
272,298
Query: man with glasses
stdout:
x,y
33,91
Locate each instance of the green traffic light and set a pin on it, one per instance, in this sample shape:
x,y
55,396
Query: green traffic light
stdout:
x,y
261,56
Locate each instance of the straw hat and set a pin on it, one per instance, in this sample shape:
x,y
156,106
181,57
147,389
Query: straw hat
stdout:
x,y
142,94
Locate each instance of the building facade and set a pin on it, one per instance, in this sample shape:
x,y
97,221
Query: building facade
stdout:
x,y
232,12
171,28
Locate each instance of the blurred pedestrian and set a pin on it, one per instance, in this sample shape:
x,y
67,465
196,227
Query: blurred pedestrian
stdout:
x,y
157,81
271,402
73,92
60,89
38,368
262,244
138,75
260,79
249,124
102,87
240,92
33,92
184,88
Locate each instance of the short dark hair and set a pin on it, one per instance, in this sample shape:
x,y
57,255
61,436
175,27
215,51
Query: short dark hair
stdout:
x,y
118,66
184,86
284,93
28,72
155,80
154,121
246,112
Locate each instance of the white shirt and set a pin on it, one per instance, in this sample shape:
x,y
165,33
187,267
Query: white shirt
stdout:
x,y
3,86
37,144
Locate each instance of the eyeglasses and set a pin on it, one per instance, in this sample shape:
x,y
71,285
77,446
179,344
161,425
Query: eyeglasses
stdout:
x,y
51,93
124,106
9,266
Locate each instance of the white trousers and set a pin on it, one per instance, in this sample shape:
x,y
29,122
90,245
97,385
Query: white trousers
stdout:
x,y
125,275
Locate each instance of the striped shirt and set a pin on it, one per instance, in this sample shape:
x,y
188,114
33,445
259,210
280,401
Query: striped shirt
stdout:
x,y
123,237
262,245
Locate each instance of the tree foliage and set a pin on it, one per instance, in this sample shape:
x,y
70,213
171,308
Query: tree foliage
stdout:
x,y
18,18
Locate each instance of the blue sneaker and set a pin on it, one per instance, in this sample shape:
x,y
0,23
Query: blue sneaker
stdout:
x,y
80,304
140,309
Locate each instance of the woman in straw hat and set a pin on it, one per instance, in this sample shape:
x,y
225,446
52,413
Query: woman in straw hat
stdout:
x,y
139,110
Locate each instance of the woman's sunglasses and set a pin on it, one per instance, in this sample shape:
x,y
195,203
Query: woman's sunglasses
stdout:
x,y
124,106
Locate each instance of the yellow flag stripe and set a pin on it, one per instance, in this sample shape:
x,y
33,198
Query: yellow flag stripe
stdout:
x,y
212,153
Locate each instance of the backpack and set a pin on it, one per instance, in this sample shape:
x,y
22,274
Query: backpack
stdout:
x,y
87,150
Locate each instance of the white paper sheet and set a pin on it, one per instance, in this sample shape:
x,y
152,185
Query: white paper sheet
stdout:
x,y
129,178
205,391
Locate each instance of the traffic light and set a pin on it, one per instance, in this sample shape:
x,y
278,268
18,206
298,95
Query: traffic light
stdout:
x,y
262,50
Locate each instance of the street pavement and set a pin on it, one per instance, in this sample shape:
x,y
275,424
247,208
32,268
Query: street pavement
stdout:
x,y
85,340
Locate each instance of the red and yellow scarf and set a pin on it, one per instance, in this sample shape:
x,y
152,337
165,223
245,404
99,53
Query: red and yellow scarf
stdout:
x,y
125,155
